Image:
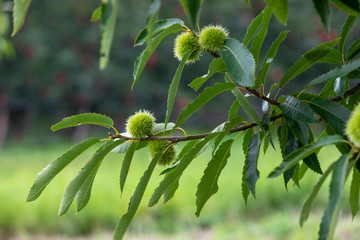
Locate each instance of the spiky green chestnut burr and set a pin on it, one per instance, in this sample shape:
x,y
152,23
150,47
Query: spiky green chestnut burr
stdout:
x,y
211,38
168,153
184,42
141,124
353,126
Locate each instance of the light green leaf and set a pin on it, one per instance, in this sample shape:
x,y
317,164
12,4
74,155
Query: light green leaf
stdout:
x,y
336,73
202,99
297,110
84,193
51,170
159,26
126,164
108,23
159,129
328,222
305,211
216,65
96,14
341,85
280,8
244,102
174,86
208,185
270,57
135,200
170,191
349,6
151,17
323,9
20,9
84,118
354,50
192,9
307,60
174,175
152,45
304,152
91,166
234,109
252,173
345,32
354,192
252,29
239,62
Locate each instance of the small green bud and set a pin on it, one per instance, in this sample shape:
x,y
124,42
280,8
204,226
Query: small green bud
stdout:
x,y
184,42
168,153
353,126
141,124
212,37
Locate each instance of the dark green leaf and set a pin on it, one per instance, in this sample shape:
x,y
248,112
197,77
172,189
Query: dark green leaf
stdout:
x,y
332,57
283,138
342,147
323,9
50,171
333,113
312,162
295,176
354,100
307,60
208,185
91,166
208,94
159,26
266,126
192,9
354,192
84,193
328,89
152,45
252,173
299,129
345,32
108,22
341,85
84,118
292,144
244,184
354,50
216,65
151,17
349,6
240,63
174,175
170,191
336,73
247,137
126,164
330,216
135,200
252,29
304,152
20,9
270,56
280,8
305,211
233,111
297,110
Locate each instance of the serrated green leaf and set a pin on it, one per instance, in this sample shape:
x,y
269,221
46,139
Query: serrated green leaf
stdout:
x,y
192,9
304,152
208,94
216,65
208,185
354,50
349,6
135,200
354,192
344,33
151,17
323,9
312,162
260,36
280,9
234,109
84,193
305,211
244,184
354,100
252,29
332,57
51,170
297,110
174,87
333,113
96,14
239,62
170,191
341,85
159,26
299,129
84,118
307,60
295,176
252,173
246,140
108,23
270,57
336,73
291,145
174,175
266,126
91,166
329,219
20,9
328,89
126,164
244,102
140,62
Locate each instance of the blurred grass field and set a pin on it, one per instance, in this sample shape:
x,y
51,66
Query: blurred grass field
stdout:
x,y
272,215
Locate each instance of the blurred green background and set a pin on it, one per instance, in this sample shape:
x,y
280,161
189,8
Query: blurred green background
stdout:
x,y
53,72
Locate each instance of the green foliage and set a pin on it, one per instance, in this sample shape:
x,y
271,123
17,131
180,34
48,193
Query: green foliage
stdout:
x,y
19,14
293,117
